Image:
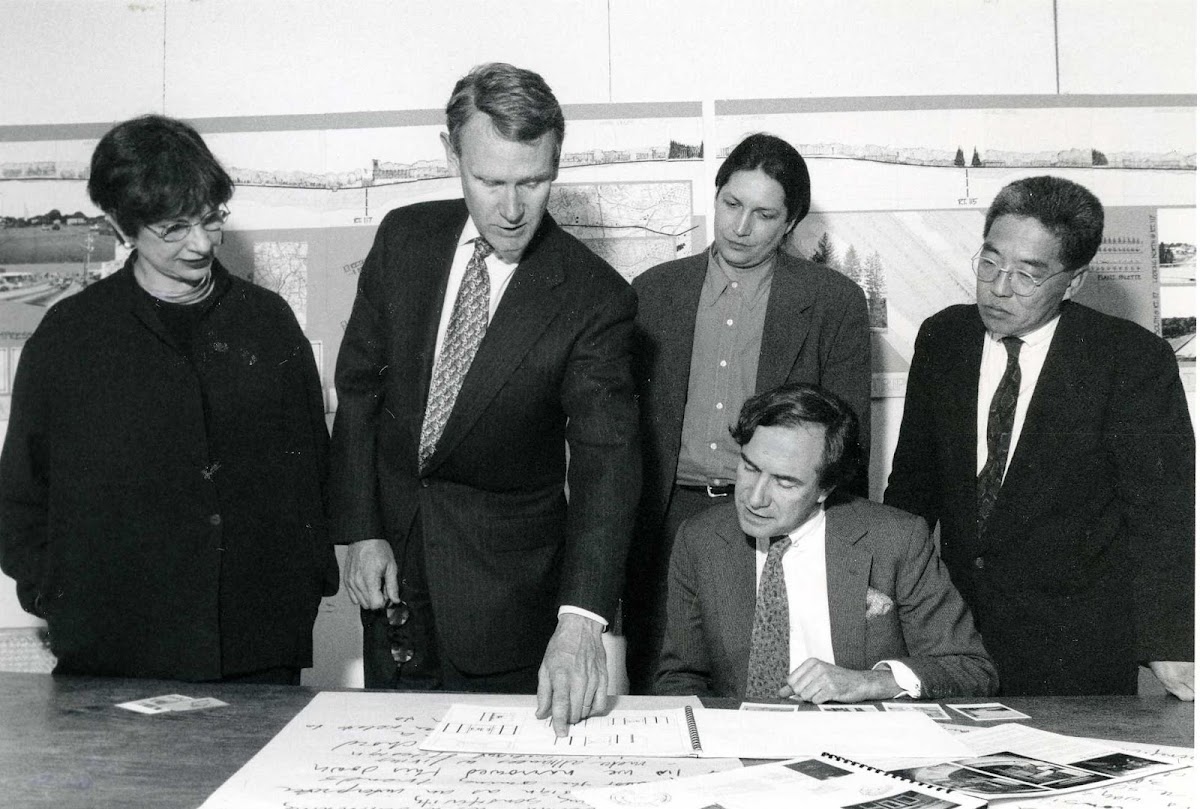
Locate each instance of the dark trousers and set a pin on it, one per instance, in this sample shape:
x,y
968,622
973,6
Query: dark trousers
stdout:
x,y
422,667
644,610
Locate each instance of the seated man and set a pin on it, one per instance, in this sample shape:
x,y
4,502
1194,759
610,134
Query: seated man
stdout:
x,y
853,601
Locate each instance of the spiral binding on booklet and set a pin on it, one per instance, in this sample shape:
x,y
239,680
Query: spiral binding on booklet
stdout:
x,y
694,734
861,766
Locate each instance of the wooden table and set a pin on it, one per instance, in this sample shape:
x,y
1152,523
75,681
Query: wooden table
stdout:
x,y
64,744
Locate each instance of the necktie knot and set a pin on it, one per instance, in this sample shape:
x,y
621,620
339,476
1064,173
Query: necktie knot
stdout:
x,y
779,545
483,249
1013,346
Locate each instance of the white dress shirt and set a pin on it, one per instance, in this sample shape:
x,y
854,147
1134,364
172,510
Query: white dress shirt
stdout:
x,y
500,273
991,369
804,574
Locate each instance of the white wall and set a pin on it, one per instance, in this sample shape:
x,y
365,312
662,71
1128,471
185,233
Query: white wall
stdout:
x,y
72,67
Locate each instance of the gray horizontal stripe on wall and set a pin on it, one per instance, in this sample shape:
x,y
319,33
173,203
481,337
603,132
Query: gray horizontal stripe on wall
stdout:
x,y
342,120
596,112
774,106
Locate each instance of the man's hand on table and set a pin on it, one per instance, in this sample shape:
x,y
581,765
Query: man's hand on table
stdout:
x,y
573,678
1177,677
817,681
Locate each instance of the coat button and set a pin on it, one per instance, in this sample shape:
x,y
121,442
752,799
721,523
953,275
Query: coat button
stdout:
x,y
214,519
979,562
424,483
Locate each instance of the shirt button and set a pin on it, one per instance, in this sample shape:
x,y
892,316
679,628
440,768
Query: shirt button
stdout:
x,y
734,285
214,519
723,363
729,322
712,446
979,562
720,406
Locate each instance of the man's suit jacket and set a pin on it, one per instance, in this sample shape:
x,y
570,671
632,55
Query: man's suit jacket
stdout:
x,y
503,549
1086,563
710,609
815,331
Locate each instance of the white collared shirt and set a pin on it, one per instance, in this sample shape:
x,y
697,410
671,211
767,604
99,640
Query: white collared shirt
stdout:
x,y
807,590
991,370
804,573
500,273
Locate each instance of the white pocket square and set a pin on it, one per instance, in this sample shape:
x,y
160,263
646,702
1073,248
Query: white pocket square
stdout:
x,y
878,603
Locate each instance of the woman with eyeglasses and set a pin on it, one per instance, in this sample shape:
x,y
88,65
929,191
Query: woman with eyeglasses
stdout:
x,y
162,483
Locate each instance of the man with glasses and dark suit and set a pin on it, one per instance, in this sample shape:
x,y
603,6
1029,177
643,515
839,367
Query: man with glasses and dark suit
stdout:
x,y
1053,446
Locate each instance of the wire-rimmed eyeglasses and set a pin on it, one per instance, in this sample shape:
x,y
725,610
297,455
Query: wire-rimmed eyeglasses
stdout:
x,y
1021,282
213,222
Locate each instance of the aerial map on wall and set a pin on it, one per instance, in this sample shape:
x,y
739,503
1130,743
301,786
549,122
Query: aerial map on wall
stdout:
x,y
898,205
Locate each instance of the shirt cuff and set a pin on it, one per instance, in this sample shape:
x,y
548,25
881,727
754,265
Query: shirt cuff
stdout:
x,y
568,610
909,683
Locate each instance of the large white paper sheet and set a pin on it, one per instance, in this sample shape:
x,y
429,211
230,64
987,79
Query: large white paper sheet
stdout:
x,y
358,750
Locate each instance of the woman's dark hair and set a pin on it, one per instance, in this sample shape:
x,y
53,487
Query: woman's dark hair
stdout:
x,y
780,161
152,168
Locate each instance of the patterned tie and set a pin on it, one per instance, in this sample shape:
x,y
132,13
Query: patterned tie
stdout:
x,y
464,333
769,648
999,432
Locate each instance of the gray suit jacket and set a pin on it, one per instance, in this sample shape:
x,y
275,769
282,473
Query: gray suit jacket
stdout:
x,y
710,608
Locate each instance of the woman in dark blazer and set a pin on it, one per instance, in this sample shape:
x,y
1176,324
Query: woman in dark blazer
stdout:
x,y
162,484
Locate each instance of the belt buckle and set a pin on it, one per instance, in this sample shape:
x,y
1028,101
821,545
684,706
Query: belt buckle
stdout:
x,y
708,488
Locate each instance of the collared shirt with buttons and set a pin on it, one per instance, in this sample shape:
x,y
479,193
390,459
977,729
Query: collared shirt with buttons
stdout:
x,y
725,350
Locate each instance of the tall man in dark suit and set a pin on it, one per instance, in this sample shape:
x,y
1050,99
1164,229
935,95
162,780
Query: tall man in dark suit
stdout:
x,y
743,316
852,602
483,341
1052,443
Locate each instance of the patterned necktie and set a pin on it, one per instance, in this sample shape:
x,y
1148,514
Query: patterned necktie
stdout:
x,y
769,648
464,333
999,432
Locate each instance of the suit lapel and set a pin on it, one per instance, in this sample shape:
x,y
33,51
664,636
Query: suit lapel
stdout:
x,y
788,319
677,324
732,574
847,573
419,309
961,391
529,304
